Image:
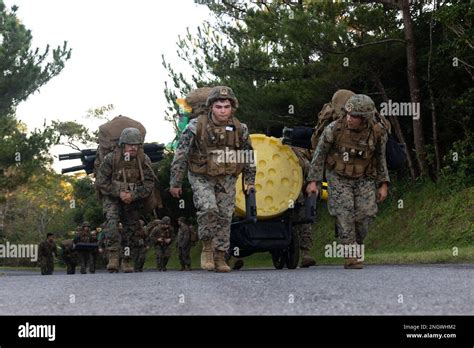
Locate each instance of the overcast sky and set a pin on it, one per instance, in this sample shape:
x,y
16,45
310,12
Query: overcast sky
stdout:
x,y
116,58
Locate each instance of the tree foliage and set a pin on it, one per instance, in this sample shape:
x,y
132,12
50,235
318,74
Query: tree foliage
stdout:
x,y
285,60
23,70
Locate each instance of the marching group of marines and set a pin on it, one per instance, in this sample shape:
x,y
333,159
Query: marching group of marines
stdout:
x,y
350,155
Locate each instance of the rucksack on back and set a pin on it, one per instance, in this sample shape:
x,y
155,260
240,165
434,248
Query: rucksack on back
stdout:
x,y
109,134
325,117
395,154
335,110
331,111
196,99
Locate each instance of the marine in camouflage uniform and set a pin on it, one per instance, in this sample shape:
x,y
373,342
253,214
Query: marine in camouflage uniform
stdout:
x,y
305,232
69,256
213,179
161,237
95,253
183,244
85,255
125,178
139,244
352,150
46,249
102,242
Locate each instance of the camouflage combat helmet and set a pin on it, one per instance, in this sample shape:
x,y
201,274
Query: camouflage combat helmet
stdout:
x,y
222,92
182,219
86,224
360,105
131,136
166,220
339,100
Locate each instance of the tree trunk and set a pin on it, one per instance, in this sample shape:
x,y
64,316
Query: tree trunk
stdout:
x,y
396,125
413,84
432,105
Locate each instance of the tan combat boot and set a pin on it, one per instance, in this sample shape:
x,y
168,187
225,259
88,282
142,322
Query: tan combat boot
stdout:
x,y
307,260
207,258
127,265
352,263
219,261
113,264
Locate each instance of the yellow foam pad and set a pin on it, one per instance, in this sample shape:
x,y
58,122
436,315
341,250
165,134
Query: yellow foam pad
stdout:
x,y
278,181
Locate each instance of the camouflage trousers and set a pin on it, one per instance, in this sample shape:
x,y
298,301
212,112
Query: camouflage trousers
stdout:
x,y
214,199
139,257
163,251
353,203
184,255
70,266
128,215
46,265
86,260
304,231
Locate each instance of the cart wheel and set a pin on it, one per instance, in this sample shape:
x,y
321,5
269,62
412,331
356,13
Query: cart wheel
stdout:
x,y
279,258
293,251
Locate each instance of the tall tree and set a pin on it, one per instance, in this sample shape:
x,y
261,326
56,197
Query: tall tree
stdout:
x,y
413,81
23,70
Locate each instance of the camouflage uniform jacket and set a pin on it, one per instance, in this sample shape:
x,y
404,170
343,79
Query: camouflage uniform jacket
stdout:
x,y
68,254
109,187
161,232
325,144
83,237
47,249
139,239
186,144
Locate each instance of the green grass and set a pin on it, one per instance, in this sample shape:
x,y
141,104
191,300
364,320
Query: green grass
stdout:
x,y
462,255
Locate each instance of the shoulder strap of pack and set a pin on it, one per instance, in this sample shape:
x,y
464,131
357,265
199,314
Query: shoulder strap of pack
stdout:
x,y
199,125
141,161
339,130
378,129
325,116
148,165
117,156
202,123
386,125
238,131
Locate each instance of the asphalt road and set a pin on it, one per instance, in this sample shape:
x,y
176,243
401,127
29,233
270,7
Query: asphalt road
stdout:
x,y
321,290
